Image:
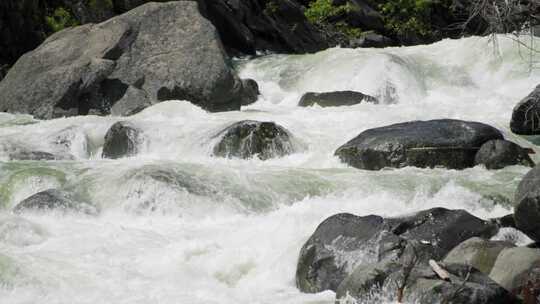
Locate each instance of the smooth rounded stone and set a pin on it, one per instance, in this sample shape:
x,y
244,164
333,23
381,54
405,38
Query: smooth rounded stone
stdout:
x,y
497,154
525,115
345,241
527,204
123,139
478,253
249,138
251,92
513,266
335,99
444,143
467,285
54,199
153,53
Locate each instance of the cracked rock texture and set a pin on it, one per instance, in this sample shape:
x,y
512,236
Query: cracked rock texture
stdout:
x,y
156,52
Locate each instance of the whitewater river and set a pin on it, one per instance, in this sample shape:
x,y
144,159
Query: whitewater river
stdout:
x,y
229,231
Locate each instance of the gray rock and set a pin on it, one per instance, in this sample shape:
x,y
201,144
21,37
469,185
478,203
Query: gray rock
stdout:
x,y
249,138
513,267
33,155
525,115
466,286
71,140
372,40
497,154
251,92
123,139
478,253
345,241
366,279
527,204
54,199
335,99
166,50
444,143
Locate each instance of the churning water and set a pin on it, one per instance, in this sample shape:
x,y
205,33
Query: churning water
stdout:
x,y
179,226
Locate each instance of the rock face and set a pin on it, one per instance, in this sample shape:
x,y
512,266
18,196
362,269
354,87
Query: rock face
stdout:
x,y
345,241
477,252
527,204
335,99
497,154
156,52
249,138
53,199
525,114
123,139
514,266
426,144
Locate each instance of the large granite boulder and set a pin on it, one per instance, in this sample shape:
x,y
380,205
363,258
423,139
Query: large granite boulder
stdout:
x,y
527,204
497,154
248,138
156,52
426,144
478,253
335,99
515,267
525,115
345,241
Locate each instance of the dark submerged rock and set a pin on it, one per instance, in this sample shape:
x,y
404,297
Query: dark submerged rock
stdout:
x,y
249,138
497,154
345,241
33,155
54,199
157,52
335,99
426,144
527,204
525,115
251,92
122,139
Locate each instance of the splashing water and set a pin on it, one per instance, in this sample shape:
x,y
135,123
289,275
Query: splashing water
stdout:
x,y
180,226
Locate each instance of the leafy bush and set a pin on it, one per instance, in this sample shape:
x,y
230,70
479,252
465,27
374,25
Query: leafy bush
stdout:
x,y
320,11
60,20
410,16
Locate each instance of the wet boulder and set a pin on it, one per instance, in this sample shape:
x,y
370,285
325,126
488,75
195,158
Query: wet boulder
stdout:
x,y
444,143
252,92
466,285
514,267
335,99
366,279
527,204
497,154
156,52
345,241
71,140
478,253
33,155
525,115
54,199
123,139
248,138
372,40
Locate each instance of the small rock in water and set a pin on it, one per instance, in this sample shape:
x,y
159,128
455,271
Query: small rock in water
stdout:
x,y
335,99
444,143
123,139
54,199
249,138
525,114
251,91
497,154
527,204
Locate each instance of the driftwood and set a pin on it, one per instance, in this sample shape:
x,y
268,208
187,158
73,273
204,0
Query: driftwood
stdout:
x,y
443,274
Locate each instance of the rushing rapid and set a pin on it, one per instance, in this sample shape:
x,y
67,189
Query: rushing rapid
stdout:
x,y
216,230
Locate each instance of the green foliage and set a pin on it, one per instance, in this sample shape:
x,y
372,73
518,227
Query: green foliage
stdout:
x,y
408,16
320,10
100,4
271,7
348,31
60,20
